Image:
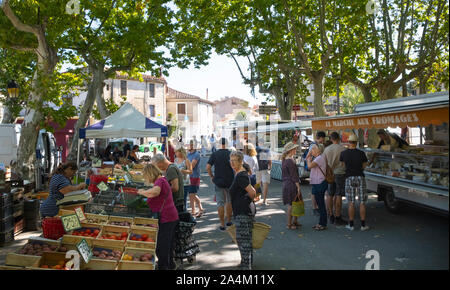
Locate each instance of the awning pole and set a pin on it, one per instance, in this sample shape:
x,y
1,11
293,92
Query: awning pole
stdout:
x,y
78,160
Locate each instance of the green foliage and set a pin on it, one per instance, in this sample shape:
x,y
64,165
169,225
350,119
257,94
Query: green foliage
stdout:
x,y
241,116
110,105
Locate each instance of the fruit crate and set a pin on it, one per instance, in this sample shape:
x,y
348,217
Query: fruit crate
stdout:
x,y
26,258
144,223
98,219
107,200
18,208
116,220
50,260
104,247
6,237
88,231
117,236
140,238
126,264
65,212
6,224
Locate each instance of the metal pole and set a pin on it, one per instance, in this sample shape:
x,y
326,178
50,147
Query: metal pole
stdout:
x,y
78,159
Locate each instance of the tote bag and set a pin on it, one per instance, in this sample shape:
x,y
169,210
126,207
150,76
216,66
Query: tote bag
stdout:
x,y
298,207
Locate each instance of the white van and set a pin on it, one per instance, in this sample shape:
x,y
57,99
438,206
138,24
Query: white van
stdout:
x,y
9,142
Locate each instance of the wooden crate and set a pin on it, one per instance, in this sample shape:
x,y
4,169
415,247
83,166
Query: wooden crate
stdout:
x,y
151,233
113,218
113,230
99,218
137,265
14,259
70,238
65,212
4,267
103,264
139,222
72,206
49,259
72,247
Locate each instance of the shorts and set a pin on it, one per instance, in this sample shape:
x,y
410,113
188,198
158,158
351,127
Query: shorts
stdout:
x,y
222,196
356,186
263,175
338,186
195,185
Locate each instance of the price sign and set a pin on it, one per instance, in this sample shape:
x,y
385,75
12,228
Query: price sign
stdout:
x,y
102,186
70,222
85,250
80,213
96,162
127,178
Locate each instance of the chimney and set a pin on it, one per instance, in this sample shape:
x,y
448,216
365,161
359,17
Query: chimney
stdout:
x,y
206,93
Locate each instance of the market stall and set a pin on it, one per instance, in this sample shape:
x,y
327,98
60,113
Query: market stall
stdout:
x,y
279,135
418,173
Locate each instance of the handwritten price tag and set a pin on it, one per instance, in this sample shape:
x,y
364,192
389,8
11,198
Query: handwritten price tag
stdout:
x,y
96,162
70,222
127,178
102,186
80,213
85,250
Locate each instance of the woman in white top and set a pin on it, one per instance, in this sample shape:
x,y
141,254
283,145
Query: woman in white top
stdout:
x,y
250,158
183,163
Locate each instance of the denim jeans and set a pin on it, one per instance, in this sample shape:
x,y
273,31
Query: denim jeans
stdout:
x,y
319,193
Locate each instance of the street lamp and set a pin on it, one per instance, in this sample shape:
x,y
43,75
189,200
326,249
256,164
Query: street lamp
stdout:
x,y
13,90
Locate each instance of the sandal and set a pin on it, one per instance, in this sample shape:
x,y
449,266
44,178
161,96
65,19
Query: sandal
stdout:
x,y
291,227
297,224
319,228
199,214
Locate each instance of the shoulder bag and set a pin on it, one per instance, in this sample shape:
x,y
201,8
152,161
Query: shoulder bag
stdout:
x,y
329,176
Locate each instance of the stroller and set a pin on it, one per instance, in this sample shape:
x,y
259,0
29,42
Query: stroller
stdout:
x,y
185,245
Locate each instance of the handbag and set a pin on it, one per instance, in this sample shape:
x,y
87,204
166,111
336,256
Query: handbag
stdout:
x,y
329,175
298,207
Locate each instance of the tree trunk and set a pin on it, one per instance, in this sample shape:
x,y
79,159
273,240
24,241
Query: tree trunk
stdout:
x,y
95,88
26,155
319,109
367,93
284,111
388,90
422,85
101,106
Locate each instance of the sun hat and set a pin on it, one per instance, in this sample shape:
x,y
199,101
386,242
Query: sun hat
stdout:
x,y
289,146
353,138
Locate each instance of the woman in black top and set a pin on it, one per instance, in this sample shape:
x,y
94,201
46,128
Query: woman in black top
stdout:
x,y
242,194
133,156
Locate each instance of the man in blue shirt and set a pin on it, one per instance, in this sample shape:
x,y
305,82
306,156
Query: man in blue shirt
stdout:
x,y
194,158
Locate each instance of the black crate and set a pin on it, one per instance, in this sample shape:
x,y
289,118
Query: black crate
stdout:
x,y
106,200
96,208
6,237
6,199
6,224
6,211
18,209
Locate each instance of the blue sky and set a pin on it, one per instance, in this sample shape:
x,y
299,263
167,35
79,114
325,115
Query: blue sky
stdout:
x,y
221,77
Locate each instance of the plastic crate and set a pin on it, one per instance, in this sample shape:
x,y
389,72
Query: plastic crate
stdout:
x,y
18,209
6,211
6,237
107,200
52,228
6,199
6,224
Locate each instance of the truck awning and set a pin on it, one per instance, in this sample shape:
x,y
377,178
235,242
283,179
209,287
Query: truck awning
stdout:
x,y
393,116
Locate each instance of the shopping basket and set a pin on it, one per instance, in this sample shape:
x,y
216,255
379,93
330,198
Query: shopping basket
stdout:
x,y
130,196
52,228
259,233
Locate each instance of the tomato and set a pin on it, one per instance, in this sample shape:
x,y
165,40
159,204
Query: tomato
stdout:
x,y
96,232
133,238
124,238
88,231
144,236
139,240
124,235
94,235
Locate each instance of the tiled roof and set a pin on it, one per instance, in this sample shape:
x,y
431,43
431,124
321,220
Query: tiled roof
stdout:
x,y
174,94
146,77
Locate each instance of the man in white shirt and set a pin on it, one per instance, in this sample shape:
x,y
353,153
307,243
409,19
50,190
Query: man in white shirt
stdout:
x,y
212,141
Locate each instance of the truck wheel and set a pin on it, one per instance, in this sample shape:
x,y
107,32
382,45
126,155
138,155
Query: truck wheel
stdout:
x,y
392,204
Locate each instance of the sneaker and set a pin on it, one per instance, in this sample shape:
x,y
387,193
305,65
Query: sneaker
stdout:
x,y
316,212
332,219
349,227
222,229
365,228
229,224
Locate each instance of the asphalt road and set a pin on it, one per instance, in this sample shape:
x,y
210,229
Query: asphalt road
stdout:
x,y
414,239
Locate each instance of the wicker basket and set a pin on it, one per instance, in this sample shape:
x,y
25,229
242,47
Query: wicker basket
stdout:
x,y
260,232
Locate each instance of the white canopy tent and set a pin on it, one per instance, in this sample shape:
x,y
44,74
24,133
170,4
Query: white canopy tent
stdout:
x,y
127,122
